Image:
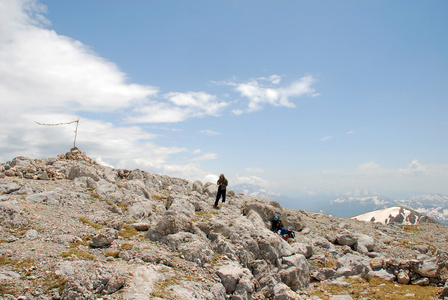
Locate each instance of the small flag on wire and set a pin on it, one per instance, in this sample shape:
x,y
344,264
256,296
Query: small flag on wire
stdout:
x,y
66,123
56,124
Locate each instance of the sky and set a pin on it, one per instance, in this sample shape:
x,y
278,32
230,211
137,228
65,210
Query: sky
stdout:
x,y
301,98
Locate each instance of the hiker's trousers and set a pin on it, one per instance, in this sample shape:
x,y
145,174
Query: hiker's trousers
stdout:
x,y
219,194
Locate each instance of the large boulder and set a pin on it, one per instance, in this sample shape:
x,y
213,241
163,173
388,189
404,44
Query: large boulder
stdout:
x,y
9,187
138,188
198,187
295,271
364,243
266,211
350,265
383,274
236,280
230,274
89,280
427,268
81,170
210,189
171,222
193,247
346,238
303,248
182,207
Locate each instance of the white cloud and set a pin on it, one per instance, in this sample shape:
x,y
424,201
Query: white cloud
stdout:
x,y
209,132
210,178
325,138
51,78
414,169
254,180
101,162
207,156
50,71
260,94
180,107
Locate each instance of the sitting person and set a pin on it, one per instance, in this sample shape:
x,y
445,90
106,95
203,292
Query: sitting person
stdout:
x,y
276,224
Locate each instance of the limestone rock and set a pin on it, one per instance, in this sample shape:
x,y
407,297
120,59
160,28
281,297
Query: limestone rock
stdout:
x,y
376,263
383,274
230,274
66,239
104,238
427,268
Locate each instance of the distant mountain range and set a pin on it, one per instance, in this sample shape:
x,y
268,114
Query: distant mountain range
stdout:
x,y
434,206
394,215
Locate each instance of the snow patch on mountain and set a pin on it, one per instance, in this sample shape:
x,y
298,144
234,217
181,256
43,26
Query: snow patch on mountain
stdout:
x,y
396,214
434,206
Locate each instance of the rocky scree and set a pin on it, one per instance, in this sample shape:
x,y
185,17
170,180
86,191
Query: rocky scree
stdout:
x,y
73,229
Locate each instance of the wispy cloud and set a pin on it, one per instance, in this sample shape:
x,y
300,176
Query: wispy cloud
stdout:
x,y
207,156
178,108
254,180
254,170
266,91
209,132
325,138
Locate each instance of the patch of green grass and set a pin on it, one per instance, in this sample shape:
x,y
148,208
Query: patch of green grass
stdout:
x,y
9,287
410,228
18,231
376,288
203,215
126,246
84,242
215,259
123,206
79,254
17,264
159,198
50,282
88,222
128,231
328,263
95,195
161,288
114,254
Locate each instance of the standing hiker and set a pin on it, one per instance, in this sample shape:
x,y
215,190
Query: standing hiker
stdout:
x,y
222,184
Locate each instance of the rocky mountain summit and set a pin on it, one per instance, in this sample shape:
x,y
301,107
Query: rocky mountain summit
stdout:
x,y
73,229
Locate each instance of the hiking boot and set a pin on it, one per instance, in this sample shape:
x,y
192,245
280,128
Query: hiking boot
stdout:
x,y
215,206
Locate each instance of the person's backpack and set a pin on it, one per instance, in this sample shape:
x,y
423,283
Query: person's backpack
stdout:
x,y
291,234
287,234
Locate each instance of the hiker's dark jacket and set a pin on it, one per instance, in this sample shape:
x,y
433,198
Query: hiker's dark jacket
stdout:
x,y
224,183
276,225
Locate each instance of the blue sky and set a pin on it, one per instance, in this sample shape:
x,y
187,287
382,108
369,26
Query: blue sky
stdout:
x,y
304,98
